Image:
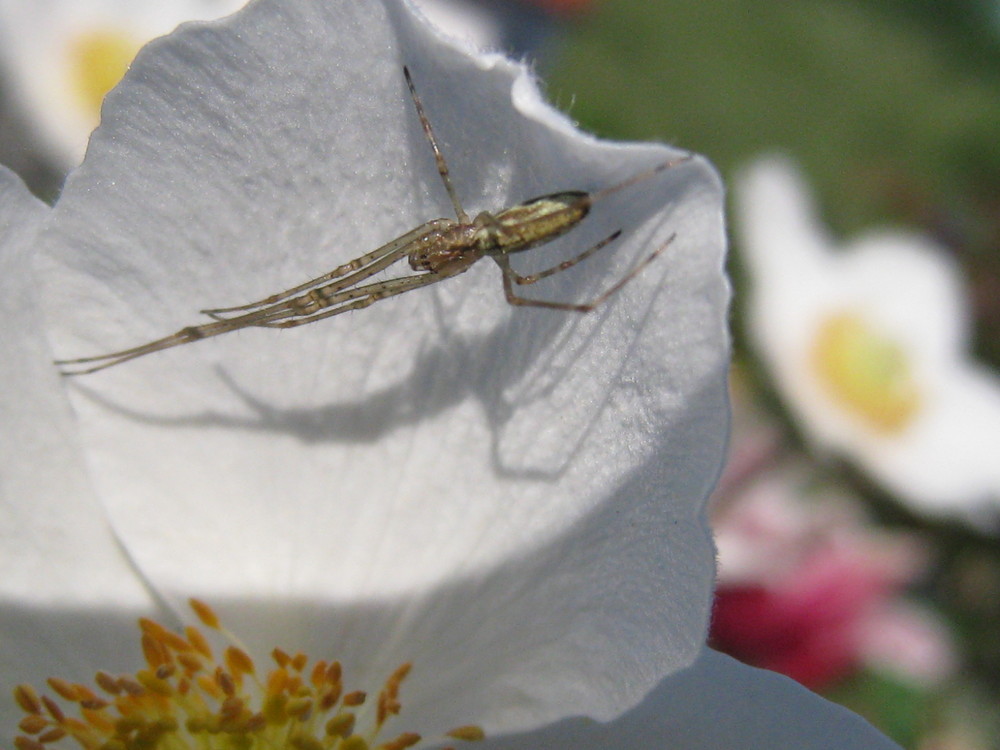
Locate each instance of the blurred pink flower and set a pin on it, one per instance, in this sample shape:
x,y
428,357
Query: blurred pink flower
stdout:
x,y
807,589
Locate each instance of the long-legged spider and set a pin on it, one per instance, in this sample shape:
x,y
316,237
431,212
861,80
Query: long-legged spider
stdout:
x,y
436,250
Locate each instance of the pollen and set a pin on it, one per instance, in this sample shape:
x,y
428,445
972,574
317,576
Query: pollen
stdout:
x,y
187,698
866,373
97,60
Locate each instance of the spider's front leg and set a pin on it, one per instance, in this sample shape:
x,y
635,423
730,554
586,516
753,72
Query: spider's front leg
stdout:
x,y
511,277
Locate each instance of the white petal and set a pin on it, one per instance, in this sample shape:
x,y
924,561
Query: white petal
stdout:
x,y
910,291
67,593
783,241
511,498
948,463
51,520
716,704
477,24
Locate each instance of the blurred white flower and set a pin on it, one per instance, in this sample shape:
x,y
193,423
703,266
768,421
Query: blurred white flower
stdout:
x,y
519,28
475,23
867,346
60,57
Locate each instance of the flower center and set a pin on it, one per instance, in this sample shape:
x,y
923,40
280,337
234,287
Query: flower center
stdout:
x,y
185,699
866,373
97,60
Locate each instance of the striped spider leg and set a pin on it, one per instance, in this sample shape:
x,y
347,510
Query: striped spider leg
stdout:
x,y
435,251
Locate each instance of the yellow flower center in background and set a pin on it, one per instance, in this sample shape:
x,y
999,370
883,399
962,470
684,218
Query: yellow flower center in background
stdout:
x,y
97,61
186,700
866,373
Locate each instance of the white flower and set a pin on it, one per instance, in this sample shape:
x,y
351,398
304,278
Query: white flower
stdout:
x,y
510,499
478,24
517,27
867,346
61,57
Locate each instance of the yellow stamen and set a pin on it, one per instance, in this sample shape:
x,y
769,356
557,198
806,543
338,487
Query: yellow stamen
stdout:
x,y
866,373
206,614
469,733
184,700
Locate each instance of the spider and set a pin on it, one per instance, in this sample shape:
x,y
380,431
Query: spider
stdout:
x,y
435,250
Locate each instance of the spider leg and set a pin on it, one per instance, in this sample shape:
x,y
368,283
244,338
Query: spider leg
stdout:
x,y
362,297
286,313
183,336
532,278
375,261
510,278
442,165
